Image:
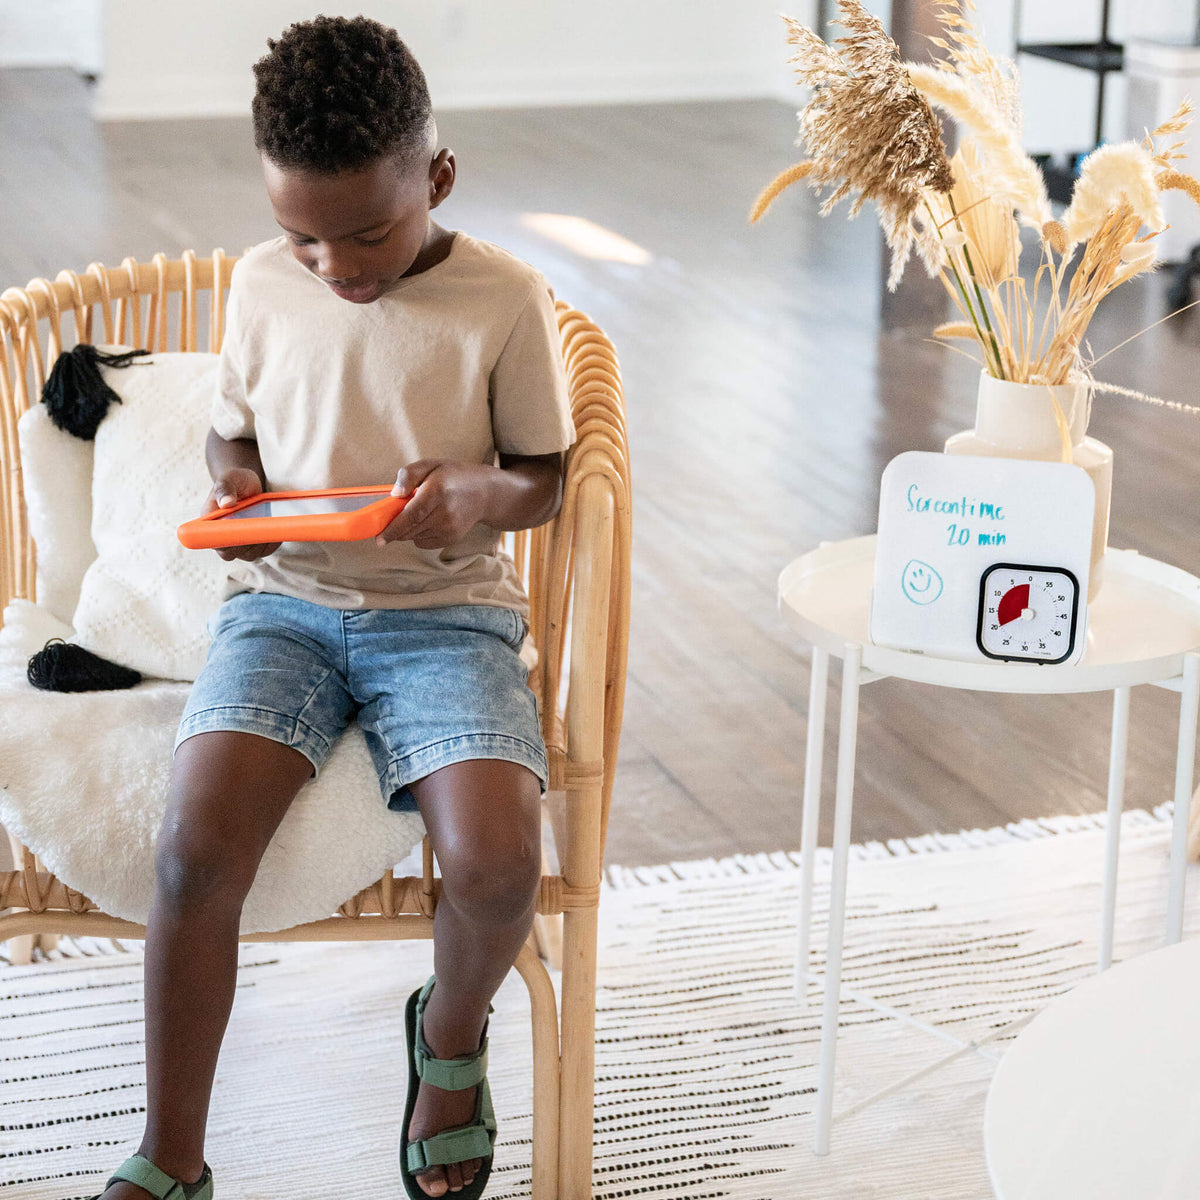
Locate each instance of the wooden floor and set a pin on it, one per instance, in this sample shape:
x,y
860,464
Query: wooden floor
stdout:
x,y
765,397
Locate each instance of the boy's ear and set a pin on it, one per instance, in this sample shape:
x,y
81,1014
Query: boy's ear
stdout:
x,y
441,177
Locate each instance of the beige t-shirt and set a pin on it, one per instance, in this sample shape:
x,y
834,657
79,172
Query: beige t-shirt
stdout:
x,y
460,362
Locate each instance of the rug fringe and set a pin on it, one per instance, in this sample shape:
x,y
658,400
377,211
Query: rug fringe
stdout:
x,y
1026,830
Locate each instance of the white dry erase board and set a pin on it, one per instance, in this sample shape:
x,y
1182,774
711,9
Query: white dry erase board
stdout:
x,y
983,558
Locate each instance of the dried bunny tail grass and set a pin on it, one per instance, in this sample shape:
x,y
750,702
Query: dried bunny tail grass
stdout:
x,y
956,329
1175,124
1123,172
1054,234
783,180
1013,174
1177,181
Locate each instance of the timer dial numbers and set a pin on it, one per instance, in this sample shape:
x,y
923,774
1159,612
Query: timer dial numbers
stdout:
x,y
1028,614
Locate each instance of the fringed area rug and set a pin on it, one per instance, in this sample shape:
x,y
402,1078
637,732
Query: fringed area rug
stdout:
x,y
705,1063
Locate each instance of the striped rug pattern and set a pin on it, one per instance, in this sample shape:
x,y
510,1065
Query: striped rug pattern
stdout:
x,y
705,1064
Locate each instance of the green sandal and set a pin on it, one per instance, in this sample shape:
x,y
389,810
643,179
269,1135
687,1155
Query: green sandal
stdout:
x,y
475,1139
159,1184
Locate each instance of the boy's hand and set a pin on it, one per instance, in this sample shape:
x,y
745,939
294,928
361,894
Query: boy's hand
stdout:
x,y
238,483
447,499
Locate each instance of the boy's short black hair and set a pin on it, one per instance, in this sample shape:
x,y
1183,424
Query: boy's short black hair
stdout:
x,y
337,93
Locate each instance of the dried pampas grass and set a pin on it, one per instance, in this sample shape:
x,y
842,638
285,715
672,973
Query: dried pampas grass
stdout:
x,y
869,134
970,58
1012,175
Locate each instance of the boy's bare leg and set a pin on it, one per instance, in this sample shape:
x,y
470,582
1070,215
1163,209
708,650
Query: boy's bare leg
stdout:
x,y
483,818
229,791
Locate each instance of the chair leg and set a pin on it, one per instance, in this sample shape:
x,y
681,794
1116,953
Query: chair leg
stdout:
x,y
547,940
546,1081
20,948
547,931
576,1121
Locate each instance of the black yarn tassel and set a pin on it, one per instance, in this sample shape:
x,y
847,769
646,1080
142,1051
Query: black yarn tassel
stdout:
x,y
75,395
64,667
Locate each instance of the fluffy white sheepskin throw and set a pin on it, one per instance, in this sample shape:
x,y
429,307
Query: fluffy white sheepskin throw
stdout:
x,y
144,601
83,783
57,478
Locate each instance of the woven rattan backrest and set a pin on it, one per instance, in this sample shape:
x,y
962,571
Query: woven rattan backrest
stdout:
x,y
157,305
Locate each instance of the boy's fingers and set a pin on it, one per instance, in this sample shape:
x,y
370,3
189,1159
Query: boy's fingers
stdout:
x,y
409,478
411,521
409,518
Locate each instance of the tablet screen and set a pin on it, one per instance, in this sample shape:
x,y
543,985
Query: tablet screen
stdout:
x,y
310,507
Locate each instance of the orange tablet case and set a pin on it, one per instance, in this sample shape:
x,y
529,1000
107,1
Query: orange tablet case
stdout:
x,y
215,531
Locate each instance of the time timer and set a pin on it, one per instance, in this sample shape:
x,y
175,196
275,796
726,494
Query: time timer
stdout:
x,y
1028,613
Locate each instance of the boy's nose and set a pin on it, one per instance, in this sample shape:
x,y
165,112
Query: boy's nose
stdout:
x,y
335,267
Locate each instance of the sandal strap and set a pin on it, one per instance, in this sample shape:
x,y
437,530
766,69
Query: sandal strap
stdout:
x,y
449,1074
474,1140
141,1171
453,1074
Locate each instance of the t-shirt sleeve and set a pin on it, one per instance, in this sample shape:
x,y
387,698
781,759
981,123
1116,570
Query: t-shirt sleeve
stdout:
x,y
232,416
528,387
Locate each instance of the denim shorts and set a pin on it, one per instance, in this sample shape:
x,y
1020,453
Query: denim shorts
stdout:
x,y
429,686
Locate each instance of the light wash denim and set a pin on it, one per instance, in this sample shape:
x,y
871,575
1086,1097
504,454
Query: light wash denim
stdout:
x,y
429,686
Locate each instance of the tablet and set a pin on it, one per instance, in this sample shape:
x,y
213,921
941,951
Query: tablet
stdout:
x,y
328,515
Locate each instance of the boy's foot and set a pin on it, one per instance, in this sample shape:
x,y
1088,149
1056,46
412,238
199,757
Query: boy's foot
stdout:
x,y
122,1189
445,1034
437,1110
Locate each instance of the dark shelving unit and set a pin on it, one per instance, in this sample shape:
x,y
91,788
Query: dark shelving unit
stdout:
x,y
1100,58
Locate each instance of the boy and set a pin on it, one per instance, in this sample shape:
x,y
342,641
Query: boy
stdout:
x,y
366,339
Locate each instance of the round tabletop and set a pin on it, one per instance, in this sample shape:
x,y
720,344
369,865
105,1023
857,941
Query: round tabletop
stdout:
x,y
1100,1094
1143,622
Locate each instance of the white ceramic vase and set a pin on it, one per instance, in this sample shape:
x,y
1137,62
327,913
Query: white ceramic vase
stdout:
x,y
1016,420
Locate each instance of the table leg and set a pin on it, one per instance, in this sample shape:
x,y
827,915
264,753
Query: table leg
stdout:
x,y
847,745
810,819
1185,758
1117,746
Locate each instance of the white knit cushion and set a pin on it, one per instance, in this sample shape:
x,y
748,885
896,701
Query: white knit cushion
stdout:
x,y
56,470
83,783
144,601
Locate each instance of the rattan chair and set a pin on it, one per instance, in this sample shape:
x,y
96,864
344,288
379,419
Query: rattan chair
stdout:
x,y
576,571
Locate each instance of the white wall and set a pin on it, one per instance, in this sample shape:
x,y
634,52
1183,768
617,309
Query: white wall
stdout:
x,y
176,58
50,33
1059,101
193,57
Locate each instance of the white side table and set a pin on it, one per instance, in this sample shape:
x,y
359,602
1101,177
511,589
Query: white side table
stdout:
x,y
1143,628
1099,1096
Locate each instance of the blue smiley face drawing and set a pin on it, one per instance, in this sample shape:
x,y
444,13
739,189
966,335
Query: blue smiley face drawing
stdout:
x,y
920,582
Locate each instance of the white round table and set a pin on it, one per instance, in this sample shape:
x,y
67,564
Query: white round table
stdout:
x,y
1144,627
1100,1095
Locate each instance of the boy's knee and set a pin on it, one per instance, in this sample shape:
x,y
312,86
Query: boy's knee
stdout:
x,y
497,887
192,867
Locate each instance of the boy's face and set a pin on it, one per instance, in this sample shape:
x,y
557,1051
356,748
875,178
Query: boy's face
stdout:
x,y
360,231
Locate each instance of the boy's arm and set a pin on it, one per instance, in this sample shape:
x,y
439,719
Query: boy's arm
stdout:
x,y
232,457
450,498
237,472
